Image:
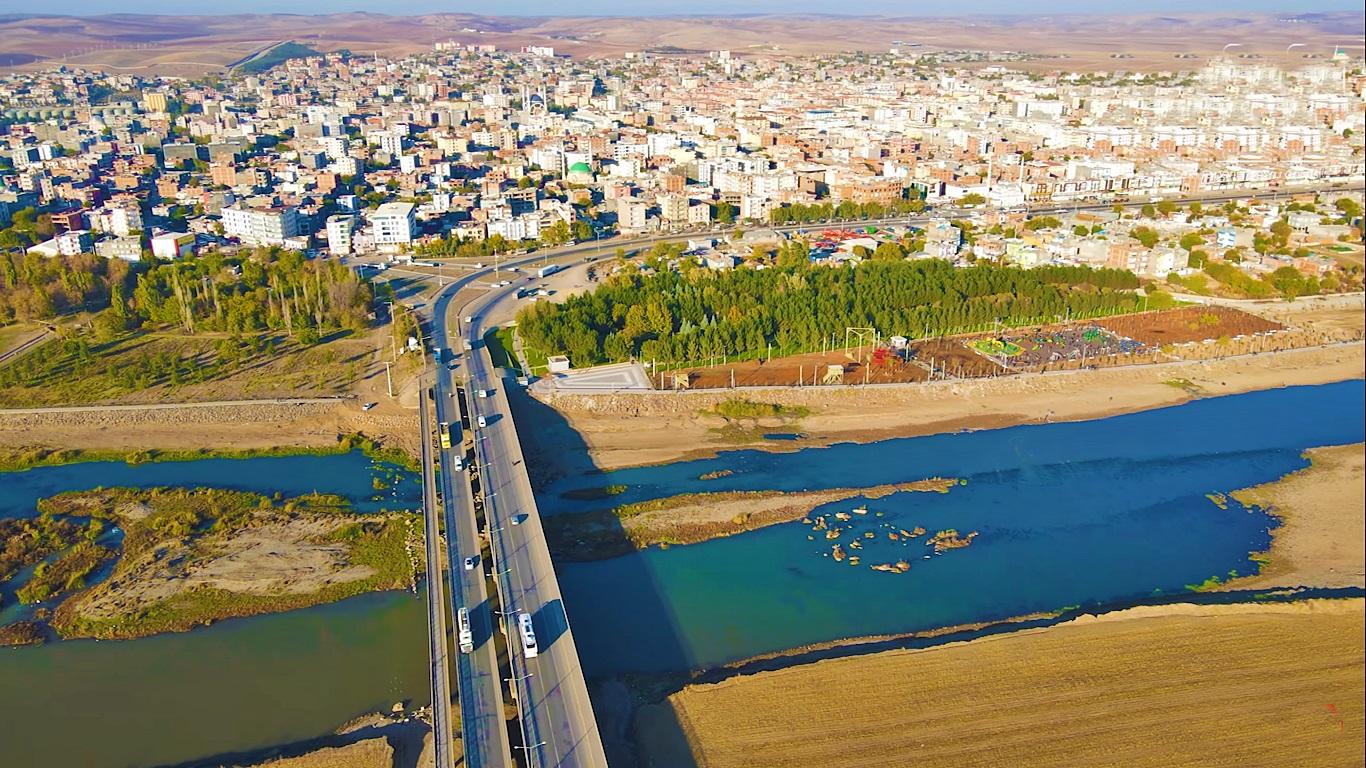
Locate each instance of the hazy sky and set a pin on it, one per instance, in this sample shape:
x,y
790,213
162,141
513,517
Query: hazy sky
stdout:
x,y
648,7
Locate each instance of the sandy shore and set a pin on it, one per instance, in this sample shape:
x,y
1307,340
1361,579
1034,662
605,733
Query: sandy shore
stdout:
x,y
1179,685
621,430
1322,538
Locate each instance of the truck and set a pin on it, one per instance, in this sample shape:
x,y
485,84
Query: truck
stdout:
x,y
445,435
466,635
548,269
528,634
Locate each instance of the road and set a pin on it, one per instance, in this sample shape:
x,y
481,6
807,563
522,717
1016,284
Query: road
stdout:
x,y
436,600
599,247
483,726
557,718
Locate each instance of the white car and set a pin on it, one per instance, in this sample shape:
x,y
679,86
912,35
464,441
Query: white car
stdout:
x,y
469,563
483,422
516,519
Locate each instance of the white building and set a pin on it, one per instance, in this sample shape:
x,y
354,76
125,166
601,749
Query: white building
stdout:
x,y
339,230
261,226
66,244
393,224
172,245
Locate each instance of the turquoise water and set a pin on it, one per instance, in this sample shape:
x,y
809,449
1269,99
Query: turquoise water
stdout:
x,y
1067,514
349,474
236,686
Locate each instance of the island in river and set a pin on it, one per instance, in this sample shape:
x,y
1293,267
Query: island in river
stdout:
x,y
190,557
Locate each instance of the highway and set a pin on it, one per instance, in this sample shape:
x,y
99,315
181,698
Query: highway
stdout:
x,y
436,600
483,728
557,718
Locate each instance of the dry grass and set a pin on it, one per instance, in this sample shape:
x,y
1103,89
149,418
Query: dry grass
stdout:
x,y
371,753
1240,685
197,44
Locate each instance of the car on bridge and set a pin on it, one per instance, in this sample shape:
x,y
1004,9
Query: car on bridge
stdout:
x,y
528,634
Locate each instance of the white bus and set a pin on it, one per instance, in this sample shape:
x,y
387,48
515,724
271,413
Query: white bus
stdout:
x,y
528,635
466,636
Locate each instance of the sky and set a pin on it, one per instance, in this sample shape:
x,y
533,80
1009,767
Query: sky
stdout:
x,y
660,7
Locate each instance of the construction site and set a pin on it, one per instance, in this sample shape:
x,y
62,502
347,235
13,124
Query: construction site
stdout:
x,y
867,357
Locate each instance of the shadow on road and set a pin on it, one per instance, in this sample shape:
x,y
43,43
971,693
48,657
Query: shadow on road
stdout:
x,y
598,596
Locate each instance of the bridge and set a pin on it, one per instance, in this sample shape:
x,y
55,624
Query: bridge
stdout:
x,y
497,530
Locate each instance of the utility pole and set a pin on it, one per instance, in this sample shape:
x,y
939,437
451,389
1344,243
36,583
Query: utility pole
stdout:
x,y
389,379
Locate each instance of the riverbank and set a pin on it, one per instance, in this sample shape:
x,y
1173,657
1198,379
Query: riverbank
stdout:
x,y
695,517
1176,685
268,427
1321,540
16,459
634,429
191,557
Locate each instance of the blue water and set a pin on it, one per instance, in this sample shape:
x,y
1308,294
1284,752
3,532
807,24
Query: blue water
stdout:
x,y
1067,514
350,475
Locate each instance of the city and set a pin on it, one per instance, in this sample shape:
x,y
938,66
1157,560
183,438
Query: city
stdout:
x,y
499,395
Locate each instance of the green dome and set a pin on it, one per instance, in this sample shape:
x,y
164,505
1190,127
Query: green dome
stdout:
x,y
580,168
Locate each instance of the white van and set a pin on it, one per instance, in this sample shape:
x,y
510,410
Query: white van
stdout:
x,y
528,635
466,636
483,422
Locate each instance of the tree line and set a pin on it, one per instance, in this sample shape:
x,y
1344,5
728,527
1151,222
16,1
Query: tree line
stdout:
x,y
678,317
268,290
848,209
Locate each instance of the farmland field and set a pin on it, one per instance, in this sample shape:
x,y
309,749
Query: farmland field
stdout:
x,y
1236,685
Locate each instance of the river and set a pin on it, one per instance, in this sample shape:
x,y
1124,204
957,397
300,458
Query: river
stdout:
x,y
1067,514
237,686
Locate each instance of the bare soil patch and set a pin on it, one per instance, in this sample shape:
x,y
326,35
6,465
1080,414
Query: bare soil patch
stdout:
x,y
1188,324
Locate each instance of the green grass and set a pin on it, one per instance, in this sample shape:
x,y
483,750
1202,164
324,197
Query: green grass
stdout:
x,y
500,346
19,459
1212,583
10,334
24,541
65,574
737,408
997,348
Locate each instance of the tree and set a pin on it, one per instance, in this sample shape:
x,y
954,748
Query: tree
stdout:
x,y
724,213
1148,211
1350,208
972,199
1145,235
1166,207
889,251
1190,240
